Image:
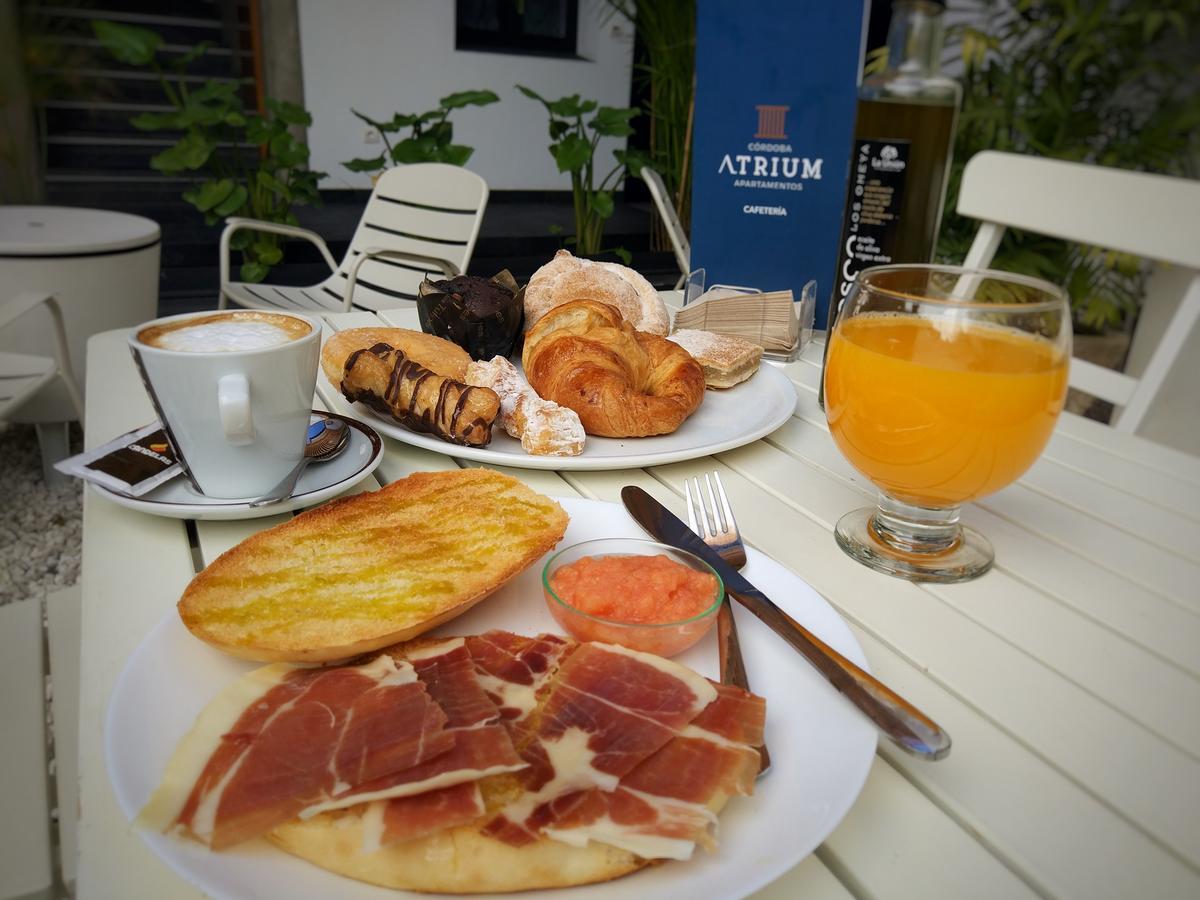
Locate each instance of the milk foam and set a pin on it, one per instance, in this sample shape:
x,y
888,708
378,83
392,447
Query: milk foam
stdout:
x,y
223,336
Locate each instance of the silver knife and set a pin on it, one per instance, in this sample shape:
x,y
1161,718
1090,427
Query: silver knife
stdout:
x,y
898,719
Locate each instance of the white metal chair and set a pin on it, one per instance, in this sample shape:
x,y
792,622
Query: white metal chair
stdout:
x,y
666,211
22,375
1151,216
420,218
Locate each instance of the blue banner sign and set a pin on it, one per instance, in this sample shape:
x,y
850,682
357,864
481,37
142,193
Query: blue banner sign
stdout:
x,y
776,88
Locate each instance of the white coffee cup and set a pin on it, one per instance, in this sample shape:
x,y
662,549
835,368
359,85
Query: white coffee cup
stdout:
x,y
234,391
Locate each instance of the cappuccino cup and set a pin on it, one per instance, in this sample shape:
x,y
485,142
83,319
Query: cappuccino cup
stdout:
x,y
233,390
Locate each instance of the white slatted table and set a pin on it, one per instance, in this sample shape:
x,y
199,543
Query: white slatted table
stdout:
x,y
1069,676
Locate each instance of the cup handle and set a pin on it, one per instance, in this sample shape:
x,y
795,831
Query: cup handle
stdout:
x,y
233,401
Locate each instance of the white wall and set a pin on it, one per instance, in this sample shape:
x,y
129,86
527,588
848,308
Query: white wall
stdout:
x,y
386,56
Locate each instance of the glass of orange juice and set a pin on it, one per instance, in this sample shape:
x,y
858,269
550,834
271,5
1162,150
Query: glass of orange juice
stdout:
x,y
942,385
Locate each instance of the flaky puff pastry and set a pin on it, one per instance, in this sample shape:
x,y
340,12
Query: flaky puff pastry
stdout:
x,y
543,427
622,382
727,360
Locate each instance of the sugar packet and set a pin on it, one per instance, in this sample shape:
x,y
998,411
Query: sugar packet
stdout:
x,y
132,464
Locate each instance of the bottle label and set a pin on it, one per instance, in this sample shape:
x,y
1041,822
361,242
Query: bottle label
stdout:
x,y
872,221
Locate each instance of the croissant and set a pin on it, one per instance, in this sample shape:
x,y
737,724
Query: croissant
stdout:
x,y
390,382
622,382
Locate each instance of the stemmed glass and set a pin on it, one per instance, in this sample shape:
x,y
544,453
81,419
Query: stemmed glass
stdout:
x,y
942,385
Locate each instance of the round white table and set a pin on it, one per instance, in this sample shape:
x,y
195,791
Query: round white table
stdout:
x,y
101,266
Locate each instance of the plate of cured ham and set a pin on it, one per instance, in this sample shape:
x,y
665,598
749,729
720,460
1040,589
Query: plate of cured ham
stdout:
x,y
177,694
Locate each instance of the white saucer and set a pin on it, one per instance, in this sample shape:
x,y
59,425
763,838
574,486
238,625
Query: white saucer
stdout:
x,y
177,499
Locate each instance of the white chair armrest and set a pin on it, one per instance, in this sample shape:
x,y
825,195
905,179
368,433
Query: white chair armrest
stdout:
x,y
234,223
13,309
238,223
448,268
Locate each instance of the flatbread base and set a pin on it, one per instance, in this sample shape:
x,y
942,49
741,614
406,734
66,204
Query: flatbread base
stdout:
x,y
458,860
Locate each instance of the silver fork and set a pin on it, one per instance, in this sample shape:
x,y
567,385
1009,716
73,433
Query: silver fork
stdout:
x,y
717,527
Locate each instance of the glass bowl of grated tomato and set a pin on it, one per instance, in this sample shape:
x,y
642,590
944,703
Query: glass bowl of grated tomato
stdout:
x,y
640,594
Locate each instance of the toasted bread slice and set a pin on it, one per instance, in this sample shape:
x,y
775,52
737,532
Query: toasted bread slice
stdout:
x,y
434,353
366,571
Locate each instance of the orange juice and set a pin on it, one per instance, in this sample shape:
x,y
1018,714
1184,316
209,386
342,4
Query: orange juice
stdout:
x,y
941,411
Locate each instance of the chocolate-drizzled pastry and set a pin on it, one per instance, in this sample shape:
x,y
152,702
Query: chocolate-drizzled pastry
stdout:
x,y
391,383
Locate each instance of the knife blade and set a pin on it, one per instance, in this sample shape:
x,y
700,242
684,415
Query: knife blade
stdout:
x,y
898,719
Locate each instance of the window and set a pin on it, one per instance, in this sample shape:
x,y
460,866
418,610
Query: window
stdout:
x,y
539,27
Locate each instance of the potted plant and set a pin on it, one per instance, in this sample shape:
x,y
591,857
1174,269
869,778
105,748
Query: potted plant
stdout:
x,y
1074,80
666,65
573,146
263,185
430,135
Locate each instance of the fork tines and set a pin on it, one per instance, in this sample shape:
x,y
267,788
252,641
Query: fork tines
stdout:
x,y
715,518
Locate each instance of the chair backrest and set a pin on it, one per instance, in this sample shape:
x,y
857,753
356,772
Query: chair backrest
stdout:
x,y
1152,216
428,209
679,240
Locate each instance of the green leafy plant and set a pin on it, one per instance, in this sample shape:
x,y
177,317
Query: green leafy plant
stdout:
x,y
1081,80
667,29
266,174
573,146
430,137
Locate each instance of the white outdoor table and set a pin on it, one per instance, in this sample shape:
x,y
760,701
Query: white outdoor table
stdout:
x,y
1067,676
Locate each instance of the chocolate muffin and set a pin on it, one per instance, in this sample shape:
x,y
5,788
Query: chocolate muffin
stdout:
x,y
481,315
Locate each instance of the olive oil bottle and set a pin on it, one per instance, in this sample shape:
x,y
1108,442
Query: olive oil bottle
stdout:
x,y
900,163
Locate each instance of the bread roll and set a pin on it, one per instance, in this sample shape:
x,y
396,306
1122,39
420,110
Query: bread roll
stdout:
x,y
622,382
366,571
566,278
434,353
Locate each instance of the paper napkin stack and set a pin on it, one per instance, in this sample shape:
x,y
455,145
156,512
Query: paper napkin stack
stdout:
x,y
768,320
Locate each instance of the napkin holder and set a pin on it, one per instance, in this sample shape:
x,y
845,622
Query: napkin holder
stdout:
x,y
774,321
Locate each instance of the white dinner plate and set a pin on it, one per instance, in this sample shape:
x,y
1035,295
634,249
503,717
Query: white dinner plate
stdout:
x,y
821,746
177,499
726,419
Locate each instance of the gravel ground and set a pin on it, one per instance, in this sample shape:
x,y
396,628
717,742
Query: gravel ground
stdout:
x,y
41,527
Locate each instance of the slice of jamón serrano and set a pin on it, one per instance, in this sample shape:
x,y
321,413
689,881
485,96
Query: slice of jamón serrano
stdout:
x,y
403,819
283,739
608,709
482,746
669,799
513,669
